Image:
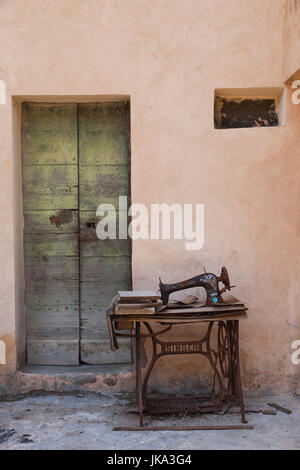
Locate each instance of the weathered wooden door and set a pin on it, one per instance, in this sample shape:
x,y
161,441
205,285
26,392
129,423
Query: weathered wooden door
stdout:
x,y
74,158
105,266
50,192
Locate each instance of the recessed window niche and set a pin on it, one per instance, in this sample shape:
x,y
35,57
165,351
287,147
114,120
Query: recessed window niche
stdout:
x,y
248,107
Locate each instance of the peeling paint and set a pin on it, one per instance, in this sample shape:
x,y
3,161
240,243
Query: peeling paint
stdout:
x,y
63,217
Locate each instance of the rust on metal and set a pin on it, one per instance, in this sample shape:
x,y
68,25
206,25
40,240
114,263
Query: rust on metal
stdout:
x,y
63,217
280,408
226,387
224,362
229,427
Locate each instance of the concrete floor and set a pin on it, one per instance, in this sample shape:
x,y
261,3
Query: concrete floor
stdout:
x,y
85,421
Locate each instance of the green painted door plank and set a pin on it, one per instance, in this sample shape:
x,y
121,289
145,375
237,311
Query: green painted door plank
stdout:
x,y
43,293
51,221
53,147
60,322
51,268
91,245
49,117
50,244
50,195
49,176
94,350
104,117
102,183
105,269
56,352
104,133
105,264
100,149
50,187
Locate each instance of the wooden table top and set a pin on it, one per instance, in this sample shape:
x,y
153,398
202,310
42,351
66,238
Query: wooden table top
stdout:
x,y
170,317
198,313
173,315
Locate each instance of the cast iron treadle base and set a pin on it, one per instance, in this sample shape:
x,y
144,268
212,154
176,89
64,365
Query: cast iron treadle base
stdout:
x,y
180,406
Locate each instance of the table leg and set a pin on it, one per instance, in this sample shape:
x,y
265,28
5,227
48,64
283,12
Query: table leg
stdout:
x,y
238,384
231,361
138,370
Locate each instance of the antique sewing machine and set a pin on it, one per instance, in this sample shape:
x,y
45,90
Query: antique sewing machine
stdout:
x,y
143,309
209,281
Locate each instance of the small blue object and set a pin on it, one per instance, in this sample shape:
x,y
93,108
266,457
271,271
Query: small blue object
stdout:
x,y
215,299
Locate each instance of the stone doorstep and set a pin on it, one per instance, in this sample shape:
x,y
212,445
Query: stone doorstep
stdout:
x,y
101,379
83,378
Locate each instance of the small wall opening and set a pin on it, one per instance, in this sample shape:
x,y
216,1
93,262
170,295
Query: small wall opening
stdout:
x,y
248,107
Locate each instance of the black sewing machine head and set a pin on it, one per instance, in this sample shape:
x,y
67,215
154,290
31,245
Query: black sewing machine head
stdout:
x,y
209,281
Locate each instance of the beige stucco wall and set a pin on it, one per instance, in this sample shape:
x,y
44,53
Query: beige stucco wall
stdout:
x,y
169,56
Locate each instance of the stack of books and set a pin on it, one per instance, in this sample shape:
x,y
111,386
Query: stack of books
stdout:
x,y
138,302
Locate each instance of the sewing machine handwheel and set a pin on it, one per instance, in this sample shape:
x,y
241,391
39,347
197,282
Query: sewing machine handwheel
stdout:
x,y
225,278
